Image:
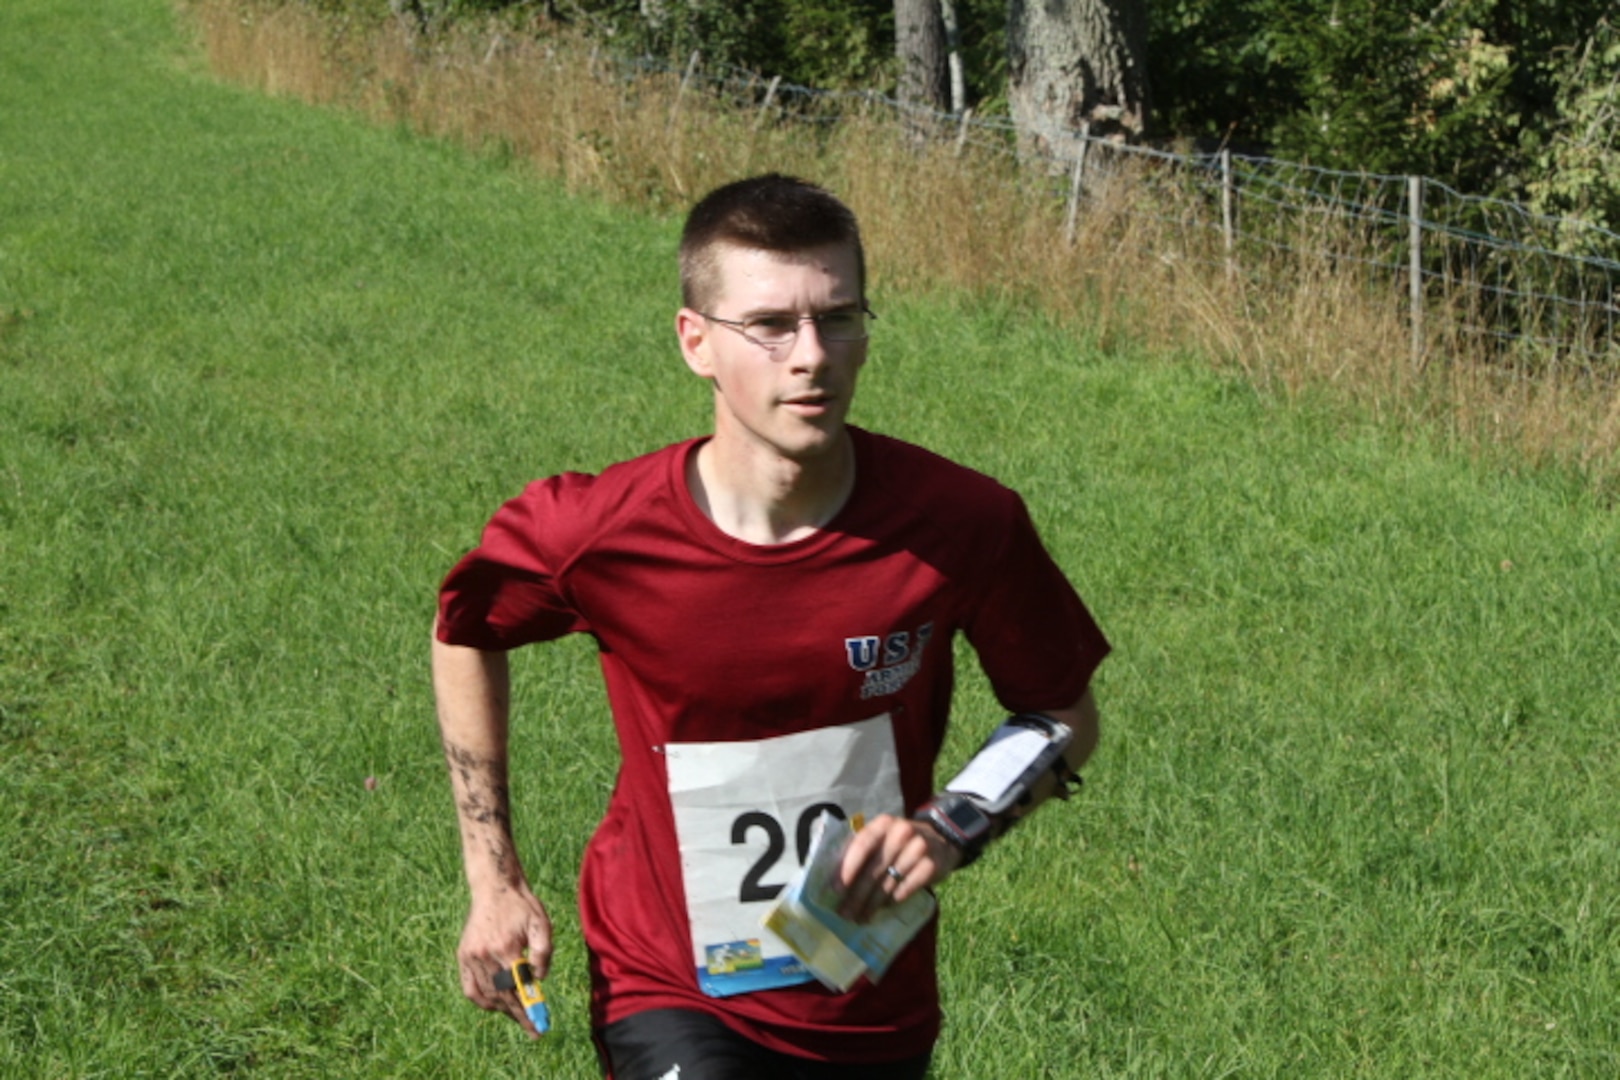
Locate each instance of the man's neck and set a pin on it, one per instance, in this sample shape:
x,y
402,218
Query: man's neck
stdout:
x,y
760,497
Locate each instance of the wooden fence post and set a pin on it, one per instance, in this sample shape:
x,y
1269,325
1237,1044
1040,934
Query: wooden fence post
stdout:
x,y
1414,199
1077,184
1228,235
962,130
765,106
680,92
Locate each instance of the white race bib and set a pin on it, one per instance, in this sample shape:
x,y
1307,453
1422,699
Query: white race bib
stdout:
x,y
743,812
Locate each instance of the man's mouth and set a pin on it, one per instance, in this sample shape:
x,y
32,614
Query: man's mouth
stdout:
x,y
815,400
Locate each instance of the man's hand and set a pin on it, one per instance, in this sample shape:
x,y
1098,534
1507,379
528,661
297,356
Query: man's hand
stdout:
x,y
918,855
501,928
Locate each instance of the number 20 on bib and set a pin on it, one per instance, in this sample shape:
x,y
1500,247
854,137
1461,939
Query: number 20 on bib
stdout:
x,y
743,813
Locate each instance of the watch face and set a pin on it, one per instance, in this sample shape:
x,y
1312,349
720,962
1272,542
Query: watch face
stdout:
x,y
967,818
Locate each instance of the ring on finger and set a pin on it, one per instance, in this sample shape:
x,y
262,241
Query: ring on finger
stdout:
x,y
894,874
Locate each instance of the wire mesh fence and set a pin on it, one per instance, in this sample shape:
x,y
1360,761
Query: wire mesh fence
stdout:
x,y
1528,290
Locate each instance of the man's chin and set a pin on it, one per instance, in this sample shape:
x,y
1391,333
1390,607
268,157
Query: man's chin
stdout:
x,y
814,442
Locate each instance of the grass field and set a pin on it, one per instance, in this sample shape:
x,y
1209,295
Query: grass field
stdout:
x,y
265,370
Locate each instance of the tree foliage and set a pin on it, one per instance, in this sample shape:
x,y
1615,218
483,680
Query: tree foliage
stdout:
x,y
830,43
1516,98
1574,164
1471,92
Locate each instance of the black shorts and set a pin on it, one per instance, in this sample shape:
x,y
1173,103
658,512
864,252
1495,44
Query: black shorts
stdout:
x,y
683,1044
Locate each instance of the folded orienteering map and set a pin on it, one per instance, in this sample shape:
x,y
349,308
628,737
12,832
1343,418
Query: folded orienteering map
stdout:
x,y
837,951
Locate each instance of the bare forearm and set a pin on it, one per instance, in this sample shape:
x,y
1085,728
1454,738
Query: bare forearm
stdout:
x,y
506,920
1082,719
472,690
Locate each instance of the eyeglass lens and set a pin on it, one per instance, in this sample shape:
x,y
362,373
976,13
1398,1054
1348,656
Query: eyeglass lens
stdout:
x,y
776,330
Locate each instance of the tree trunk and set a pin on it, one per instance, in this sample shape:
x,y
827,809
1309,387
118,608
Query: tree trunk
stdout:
x,y
953,48
919,40
1071,62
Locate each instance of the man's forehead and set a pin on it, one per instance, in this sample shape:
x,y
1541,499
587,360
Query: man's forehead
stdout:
x,y
738,267
837,257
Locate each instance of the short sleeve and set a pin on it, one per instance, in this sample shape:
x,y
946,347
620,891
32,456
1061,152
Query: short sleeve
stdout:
x,y
505,592
1035,638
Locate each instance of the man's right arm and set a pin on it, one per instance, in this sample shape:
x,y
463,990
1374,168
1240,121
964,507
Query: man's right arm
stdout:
x,y
505,921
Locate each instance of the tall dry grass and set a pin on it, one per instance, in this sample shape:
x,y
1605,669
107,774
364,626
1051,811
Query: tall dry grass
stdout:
x,y
1141,268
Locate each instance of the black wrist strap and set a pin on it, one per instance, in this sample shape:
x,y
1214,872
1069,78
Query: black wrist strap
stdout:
x,y
971,848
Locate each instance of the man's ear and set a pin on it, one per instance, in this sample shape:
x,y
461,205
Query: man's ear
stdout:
x,y
692,330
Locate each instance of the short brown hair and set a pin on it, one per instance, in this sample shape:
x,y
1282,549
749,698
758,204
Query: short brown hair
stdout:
x,y
776,213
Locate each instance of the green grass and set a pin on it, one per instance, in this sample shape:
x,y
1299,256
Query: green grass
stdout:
x,y
264,371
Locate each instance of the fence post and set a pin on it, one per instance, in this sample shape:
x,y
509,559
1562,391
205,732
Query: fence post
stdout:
x,y
1077,183
680,92
765,106
1227,232
962,130
1414,199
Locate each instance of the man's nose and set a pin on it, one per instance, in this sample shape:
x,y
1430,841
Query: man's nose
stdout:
x,y
808,348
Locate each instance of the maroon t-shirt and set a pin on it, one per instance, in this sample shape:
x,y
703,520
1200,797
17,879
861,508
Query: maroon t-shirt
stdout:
x,y
705,638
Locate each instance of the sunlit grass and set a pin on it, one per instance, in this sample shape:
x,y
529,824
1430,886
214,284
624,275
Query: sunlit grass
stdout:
x,y
265,370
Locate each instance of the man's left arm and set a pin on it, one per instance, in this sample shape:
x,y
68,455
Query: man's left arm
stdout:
x,y
892,858
1081,719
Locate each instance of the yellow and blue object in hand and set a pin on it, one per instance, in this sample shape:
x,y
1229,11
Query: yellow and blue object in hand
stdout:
x,y
520,978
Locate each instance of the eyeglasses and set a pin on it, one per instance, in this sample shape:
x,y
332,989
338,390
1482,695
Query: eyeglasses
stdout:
x,y
775,332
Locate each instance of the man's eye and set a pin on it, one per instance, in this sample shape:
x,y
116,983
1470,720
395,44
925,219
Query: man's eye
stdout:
x,y
840,322
774,325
